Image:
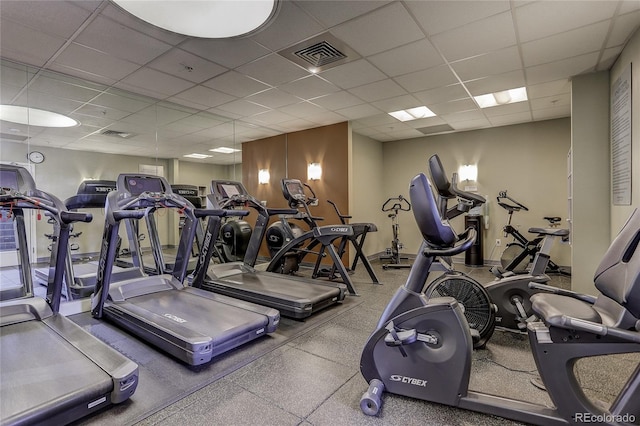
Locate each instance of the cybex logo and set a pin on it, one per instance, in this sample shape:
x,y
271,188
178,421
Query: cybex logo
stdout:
x,y
341,229
104,189
408,380
175,318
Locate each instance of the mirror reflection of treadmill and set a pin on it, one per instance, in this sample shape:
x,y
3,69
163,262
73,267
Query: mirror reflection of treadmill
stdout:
x,y
161,260
190,324
38,346
294,297
80,277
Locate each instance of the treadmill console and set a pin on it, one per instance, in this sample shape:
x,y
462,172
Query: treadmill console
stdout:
x,y
16,178
96,187
138,184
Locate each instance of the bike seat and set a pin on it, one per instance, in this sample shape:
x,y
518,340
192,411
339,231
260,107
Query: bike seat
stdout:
x,y
554,232
552,307
553,219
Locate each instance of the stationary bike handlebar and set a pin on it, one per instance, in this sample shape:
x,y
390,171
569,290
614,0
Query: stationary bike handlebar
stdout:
x,y
513,205
464,243
399,203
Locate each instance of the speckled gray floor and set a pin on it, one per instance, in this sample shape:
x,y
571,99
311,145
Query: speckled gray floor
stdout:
x,y
314,378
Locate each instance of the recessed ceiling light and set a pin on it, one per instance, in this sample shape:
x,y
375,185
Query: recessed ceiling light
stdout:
x,y
503,97
194,155
224,150
412,113
35,117
208,19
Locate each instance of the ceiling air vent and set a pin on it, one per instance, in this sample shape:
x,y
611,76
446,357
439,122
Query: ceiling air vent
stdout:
x,y
118,134
320,53
435,129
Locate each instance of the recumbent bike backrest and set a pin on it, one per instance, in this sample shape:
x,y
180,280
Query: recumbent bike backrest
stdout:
x,y
435,230
618,275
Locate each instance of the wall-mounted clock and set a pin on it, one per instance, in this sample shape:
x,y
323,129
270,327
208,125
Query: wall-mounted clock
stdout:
x,y
36,157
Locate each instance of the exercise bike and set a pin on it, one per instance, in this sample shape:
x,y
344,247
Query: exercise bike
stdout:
x,y
424,351
506,303
395,205
520,252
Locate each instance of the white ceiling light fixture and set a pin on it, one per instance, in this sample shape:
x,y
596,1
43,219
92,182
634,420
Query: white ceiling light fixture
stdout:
x,y
35,117
195,155
203,18
224,150
412,113
503,97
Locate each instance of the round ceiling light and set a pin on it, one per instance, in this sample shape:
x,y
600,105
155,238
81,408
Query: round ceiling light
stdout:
x,y
35,117
203,18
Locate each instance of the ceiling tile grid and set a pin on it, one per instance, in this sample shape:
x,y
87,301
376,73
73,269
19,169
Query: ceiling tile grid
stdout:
x,y
120,71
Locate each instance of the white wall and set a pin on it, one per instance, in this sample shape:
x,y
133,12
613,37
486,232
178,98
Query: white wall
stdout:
x,y
367,191
529,160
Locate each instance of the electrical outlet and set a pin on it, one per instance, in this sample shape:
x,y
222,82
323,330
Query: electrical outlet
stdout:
x,y
498,242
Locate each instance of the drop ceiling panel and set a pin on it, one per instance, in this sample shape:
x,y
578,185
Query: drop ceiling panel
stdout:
x,y
452,107
187,66
496,62
243,108
550,113
82,58
337,100
559,69
274,98
122,42
304,110
407,59
162,84
493,33
427,79
559,16
273,69
332,12
502,120
125,18
623,26
379,90
380,30
397,103
26,45
117,100
441,94
510,109
269,117
46,16
291,26
353,74
309,87
496,83
204,96
550,88
228,53
358,111
235,84
565,45
439,16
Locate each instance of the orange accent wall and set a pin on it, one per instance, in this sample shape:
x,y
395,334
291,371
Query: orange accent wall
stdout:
x,y
288,156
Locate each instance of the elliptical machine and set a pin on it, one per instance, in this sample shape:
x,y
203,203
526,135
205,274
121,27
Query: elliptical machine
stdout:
x,y
395,205
424,349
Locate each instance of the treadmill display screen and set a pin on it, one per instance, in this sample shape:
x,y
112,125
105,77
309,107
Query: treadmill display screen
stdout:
x,y
9,179
137,185
228,190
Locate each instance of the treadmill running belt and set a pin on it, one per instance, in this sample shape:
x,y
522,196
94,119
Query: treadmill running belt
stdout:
x,y
48,364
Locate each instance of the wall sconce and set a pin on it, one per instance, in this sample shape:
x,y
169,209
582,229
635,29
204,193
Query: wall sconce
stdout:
x,y
263,176
314,171
468,172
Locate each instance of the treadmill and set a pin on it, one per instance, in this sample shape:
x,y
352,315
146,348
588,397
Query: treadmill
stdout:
x,y
158,261
294,297
80,278
52,370
188,323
